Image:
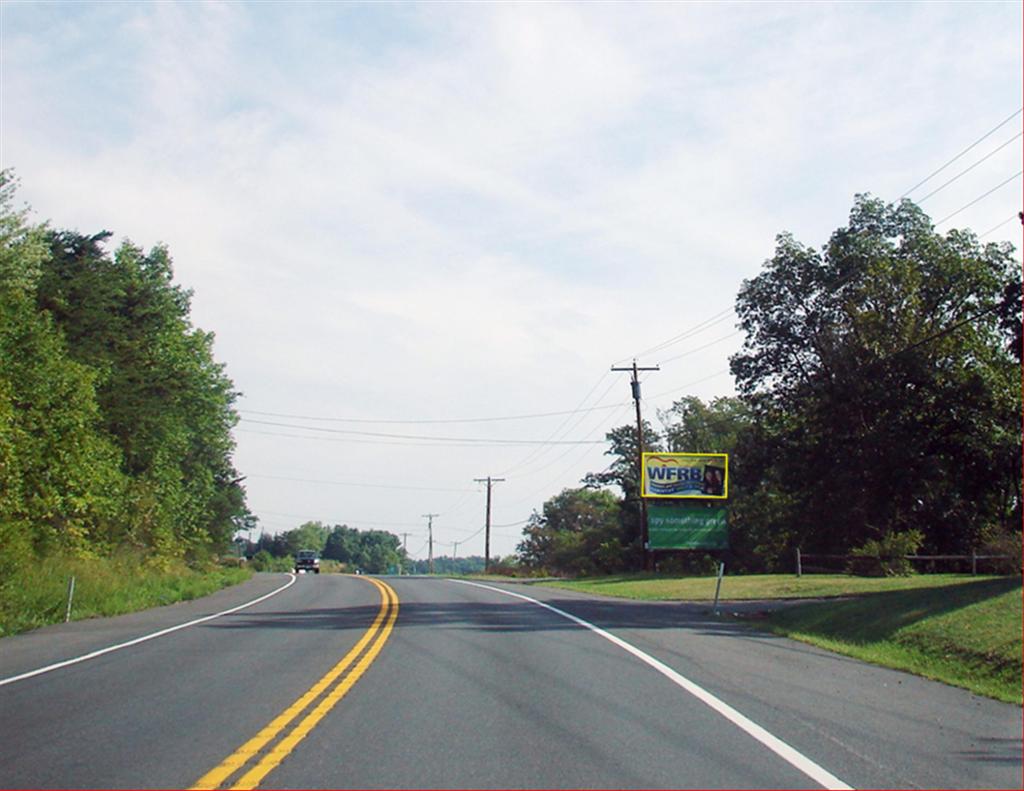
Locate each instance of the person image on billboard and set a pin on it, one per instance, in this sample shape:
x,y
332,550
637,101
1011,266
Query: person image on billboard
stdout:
x,y
714,481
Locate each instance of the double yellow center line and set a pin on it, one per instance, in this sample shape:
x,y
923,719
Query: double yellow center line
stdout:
x,y
261,754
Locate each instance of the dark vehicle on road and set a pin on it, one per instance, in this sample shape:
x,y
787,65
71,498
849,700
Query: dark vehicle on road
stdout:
x,y
307,560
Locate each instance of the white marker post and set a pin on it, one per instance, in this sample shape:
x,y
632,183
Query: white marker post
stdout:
x,y
71,596
718,585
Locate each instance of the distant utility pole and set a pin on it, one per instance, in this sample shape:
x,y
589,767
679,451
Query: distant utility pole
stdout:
x,y
635,382
455,552
430,541
487,531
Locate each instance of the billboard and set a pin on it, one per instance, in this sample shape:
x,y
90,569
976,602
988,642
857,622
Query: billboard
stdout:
x,y
677,527
683,475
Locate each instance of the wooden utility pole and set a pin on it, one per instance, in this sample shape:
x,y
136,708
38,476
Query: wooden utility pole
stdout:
x,y
430,541
635,383
487,530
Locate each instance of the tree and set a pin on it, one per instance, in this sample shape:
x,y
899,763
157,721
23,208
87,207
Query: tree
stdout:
x,y
576,533
883,395
695,427
373,551
163,398
115,419
623,472
60,487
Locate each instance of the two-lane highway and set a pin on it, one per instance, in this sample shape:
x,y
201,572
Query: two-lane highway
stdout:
x,y
337,681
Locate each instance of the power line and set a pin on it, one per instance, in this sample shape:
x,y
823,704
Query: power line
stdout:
x,y
972,145
694,330
1017,136
472,440
566,425
701,348
351,441
413,422
358,485
995,228
980,197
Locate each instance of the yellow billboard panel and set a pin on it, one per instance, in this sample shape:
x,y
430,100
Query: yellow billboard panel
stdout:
x,y
683,475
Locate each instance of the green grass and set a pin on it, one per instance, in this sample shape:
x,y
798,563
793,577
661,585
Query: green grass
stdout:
x,y
754,586
103,586
967,635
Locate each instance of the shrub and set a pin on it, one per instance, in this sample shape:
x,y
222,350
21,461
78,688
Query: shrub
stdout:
x,y
886,557
1005,544
689,564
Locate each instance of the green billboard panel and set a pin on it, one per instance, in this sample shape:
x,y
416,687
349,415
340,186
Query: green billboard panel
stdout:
x,y
673,527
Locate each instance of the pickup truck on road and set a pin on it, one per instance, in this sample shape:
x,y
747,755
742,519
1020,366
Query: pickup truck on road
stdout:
x,y
307,560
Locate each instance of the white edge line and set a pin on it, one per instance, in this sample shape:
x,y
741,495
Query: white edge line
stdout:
x,y
773,743
144,638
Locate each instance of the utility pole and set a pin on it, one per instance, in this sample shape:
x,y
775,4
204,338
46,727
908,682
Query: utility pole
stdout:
x,y
405,539
635,382
455,552
487,532
430,541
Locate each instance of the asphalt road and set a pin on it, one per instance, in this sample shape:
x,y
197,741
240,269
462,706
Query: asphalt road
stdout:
x,y
338,682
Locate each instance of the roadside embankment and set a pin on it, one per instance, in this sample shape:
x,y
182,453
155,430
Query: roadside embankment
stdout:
x,y
37,594
961,630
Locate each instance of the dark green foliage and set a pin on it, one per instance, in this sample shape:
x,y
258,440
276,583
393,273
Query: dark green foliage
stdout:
x,y
886,556
883,395
577,533
879,408
114,417
371,551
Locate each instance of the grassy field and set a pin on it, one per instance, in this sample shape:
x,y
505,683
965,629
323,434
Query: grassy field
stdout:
x,y
959,629
968,635
754,586
107,586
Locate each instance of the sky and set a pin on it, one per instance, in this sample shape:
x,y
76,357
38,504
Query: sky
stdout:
x,y
404,221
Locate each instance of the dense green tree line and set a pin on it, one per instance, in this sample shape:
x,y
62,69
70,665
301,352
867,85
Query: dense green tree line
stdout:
x,y
371,551
115,417
879,406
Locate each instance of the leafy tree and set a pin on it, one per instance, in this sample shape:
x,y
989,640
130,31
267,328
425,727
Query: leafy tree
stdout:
x,y
577,533
623,472
60,487
162,396
114,417
695,427
883,395
310,535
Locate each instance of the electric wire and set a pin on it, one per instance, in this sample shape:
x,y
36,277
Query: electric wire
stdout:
x,y
919,201
565,426
352,441
971,146
995,228
979,198
358,485
471,440
701,348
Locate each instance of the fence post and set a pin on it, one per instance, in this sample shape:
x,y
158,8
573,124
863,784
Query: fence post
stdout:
x,y
71,596
799,566
974,561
